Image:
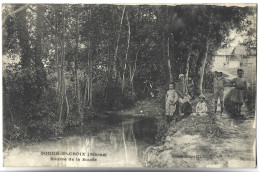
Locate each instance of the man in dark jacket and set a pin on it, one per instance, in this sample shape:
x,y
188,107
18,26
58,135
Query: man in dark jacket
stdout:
x,y
182,91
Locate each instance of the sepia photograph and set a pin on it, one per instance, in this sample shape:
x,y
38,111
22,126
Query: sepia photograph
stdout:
x,y
129,85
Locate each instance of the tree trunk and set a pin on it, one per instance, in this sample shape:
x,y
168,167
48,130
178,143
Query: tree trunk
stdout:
x,y
166,45
77,94
40,74
169,61
132,71
90,80
164,50
57,53
86,90
62,68
63,83
188,65
77,87
58,91
66,100
118,38
26,52
166,54
202,69
89,71
90,62
88,77
23,36
126,54
87,86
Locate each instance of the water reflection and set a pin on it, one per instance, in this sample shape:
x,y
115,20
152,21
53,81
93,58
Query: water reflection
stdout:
x,y
112,145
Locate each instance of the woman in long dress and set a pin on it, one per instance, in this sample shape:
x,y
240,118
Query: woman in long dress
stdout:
x,y
239,93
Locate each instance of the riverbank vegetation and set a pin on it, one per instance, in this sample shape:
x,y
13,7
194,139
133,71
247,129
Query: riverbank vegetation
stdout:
x,y
64,64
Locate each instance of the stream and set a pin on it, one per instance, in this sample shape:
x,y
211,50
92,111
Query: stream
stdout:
x,y
107,141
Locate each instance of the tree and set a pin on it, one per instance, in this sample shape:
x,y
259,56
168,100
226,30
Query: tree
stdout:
x,y
39,68
116,50
127,50
63,91
85,58
217,23
17,10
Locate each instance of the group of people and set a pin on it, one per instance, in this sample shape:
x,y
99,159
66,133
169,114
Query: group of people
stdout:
x,y
179,97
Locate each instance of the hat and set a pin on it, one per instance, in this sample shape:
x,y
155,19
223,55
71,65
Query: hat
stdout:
x,y
181,75
216,72
240,69
202,96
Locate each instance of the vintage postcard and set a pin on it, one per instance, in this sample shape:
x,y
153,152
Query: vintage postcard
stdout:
x,y
120,85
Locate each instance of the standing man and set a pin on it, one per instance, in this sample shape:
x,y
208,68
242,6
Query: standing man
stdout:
x,y
219,82
182,91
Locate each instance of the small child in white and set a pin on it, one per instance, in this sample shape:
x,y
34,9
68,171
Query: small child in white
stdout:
x,y
170,105
201,108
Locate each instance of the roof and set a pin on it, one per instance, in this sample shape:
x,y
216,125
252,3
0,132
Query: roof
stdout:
x,y
239,50
225,51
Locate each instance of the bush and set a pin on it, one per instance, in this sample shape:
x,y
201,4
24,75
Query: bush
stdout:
x,y
43,118
30,112
208,80
114,100
251,98
160,98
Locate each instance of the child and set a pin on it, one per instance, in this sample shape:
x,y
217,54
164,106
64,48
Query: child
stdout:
x,y
171,100
239,95
201,108
219,82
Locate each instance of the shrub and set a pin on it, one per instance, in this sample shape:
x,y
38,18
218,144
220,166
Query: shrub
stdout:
x,y
160,98
251,98
208,80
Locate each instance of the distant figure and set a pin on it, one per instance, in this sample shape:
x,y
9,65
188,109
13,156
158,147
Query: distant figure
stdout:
x,y
170,105
225,64
201,108
182,91
219,82
239,95
241,64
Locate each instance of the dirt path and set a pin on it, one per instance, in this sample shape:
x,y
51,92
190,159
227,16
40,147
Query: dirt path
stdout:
x,y
241,134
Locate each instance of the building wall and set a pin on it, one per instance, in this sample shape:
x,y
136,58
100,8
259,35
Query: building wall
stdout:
x,y
225,62
233,64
